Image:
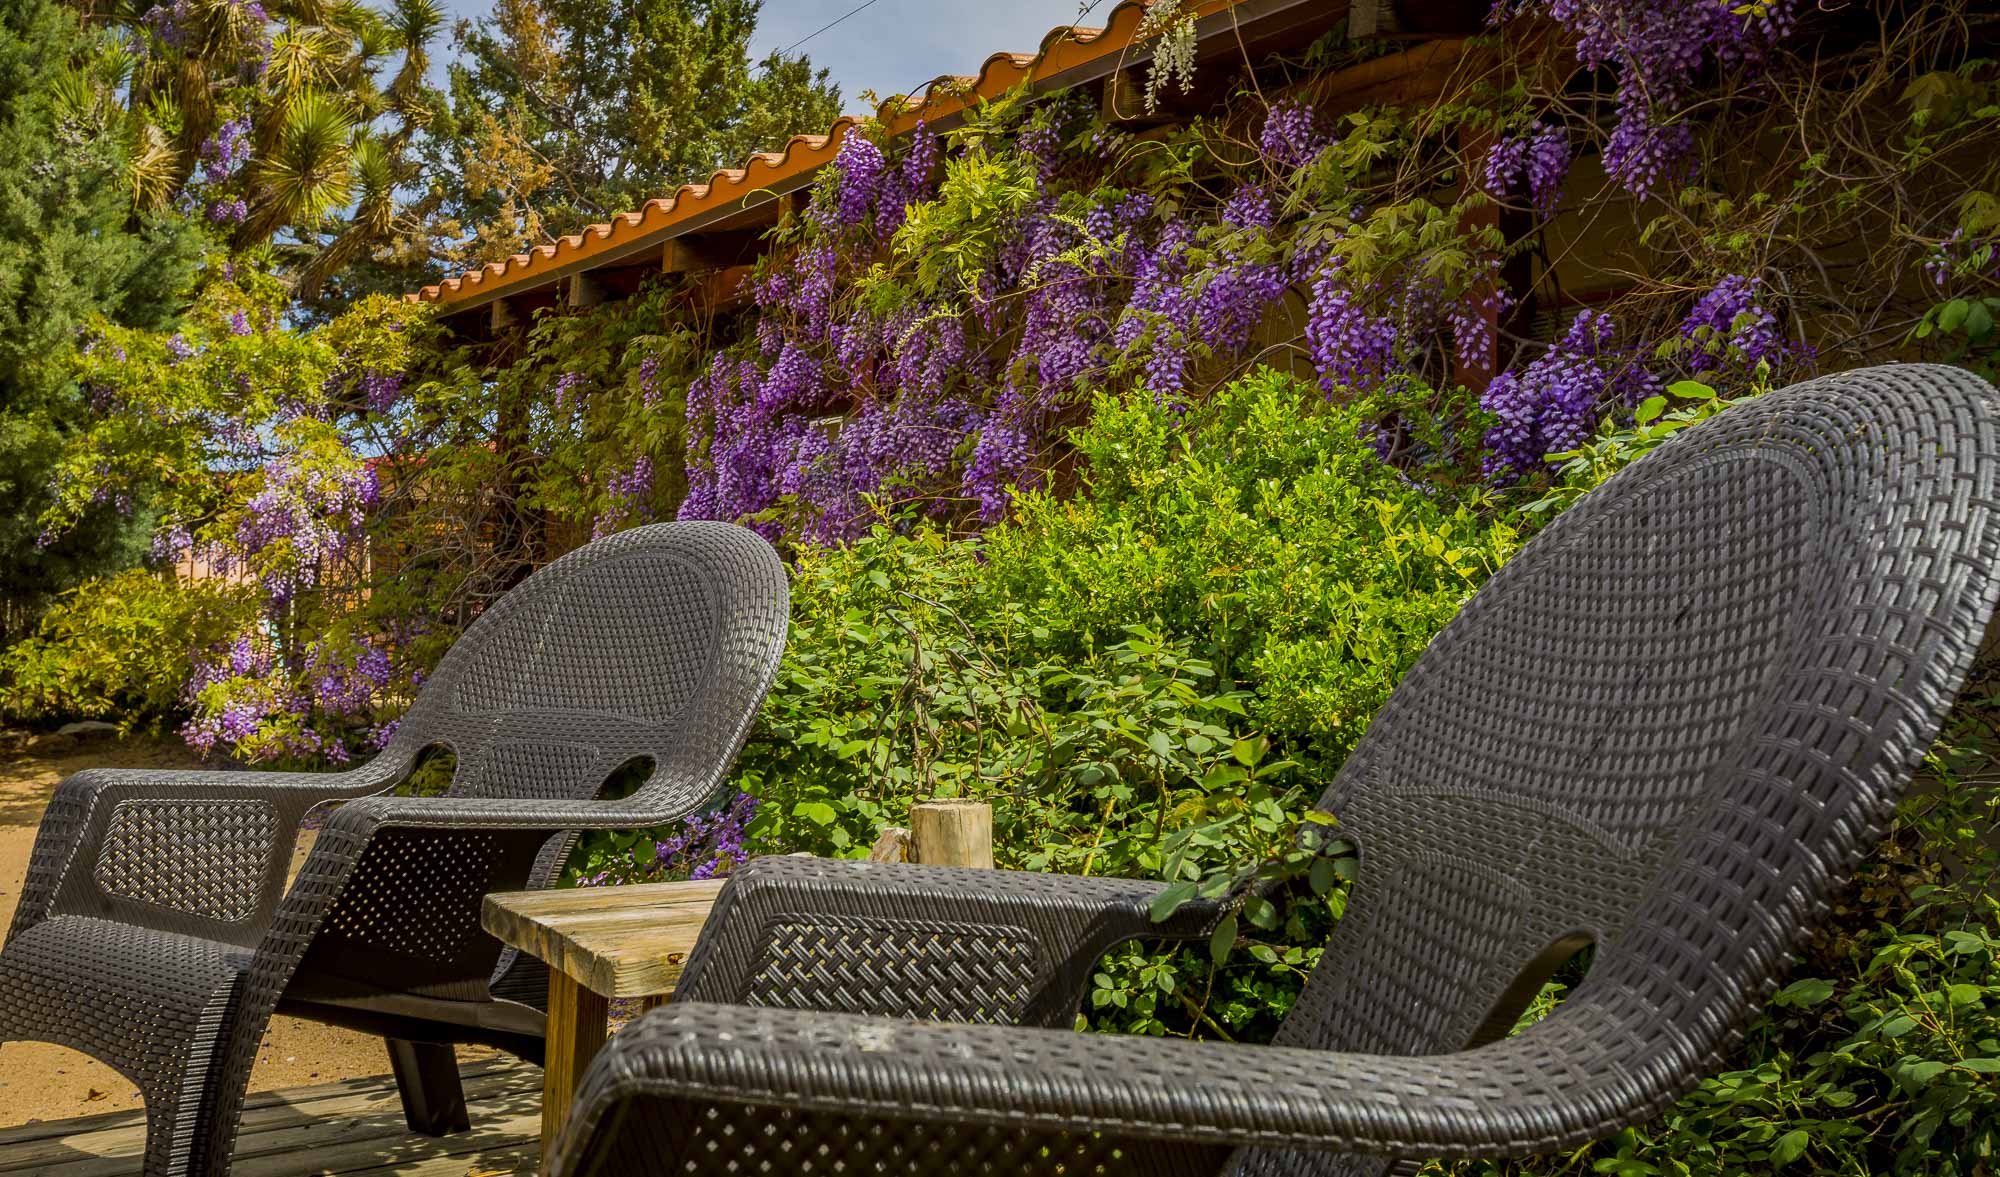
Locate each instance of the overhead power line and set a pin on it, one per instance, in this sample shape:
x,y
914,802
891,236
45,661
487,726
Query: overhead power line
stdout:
x,y
842,18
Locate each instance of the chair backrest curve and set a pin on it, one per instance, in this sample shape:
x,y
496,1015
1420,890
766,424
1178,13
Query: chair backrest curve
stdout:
x,y
658,642
1669,727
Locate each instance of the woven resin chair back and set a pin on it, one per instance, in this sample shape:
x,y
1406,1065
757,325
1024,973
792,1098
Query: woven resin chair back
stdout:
x,y
1666,729
656,643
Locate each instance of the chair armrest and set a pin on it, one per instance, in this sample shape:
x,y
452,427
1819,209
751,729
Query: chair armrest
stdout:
x,y
146,843
508,814
939,1089
924,942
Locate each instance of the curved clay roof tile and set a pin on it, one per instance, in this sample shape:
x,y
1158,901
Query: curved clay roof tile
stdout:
x,y
803,154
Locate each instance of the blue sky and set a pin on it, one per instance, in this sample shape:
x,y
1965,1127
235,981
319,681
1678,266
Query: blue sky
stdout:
x,y
894,46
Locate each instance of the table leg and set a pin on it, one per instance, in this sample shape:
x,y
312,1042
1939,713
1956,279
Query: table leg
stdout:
x,y
575,1033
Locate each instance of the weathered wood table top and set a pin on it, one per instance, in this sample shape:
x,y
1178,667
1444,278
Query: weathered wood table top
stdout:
x,y
613,941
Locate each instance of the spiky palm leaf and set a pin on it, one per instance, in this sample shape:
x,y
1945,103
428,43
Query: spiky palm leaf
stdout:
x,y
305,12
74,97
155,166
373,220
310,174
373,33
304,58
235,26
416,22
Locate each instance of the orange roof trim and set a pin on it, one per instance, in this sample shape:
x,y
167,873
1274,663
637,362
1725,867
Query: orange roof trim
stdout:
x,y
1064,49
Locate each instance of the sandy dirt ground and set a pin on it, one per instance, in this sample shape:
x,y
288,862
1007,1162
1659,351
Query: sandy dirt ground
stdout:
x,y
39,1081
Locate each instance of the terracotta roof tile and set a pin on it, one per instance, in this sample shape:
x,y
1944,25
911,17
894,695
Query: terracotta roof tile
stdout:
x,y
1064,48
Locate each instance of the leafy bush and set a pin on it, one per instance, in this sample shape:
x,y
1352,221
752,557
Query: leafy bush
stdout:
x,y
119,647
1148,678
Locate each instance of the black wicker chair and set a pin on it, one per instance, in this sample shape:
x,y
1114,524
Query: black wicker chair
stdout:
x,y
1669,728
156,932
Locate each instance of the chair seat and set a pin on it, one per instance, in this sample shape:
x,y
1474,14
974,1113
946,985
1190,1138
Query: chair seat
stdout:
x,y
404,1015
141,1000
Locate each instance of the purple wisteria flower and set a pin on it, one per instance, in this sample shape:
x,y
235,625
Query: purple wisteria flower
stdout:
x,y
1551,405
859,168
1351,346
1533,165
1658,51
380,390
1730,327
1292,136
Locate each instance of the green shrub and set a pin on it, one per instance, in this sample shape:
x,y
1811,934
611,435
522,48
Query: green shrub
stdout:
x,y
1151,677
118,647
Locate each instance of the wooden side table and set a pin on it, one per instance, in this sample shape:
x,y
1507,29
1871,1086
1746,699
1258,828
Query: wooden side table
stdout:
x,y
606,942
599,943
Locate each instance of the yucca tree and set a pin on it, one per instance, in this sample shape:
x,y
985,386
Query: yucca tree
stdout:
x,y
267,120
307,174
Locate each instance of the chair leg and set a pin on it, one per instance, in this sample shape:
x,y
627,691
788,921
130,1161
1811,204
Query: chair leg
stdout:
x,y
427,1079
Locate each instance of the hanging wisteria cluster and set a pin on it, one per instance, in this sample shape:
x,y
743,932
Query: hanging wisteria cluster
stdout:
x,y
857,394
1531,167
1551,405
1730,328
1658,52
222,156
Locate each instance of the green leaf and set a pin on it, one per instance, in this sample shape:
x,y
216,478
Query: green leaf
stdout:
x,y
1920,1074
1650,409
1322,876
1249,750
1789,1147
1223,940
817,812
1168,901
1953,315
1693,390
1978,323
1261,912
1801,994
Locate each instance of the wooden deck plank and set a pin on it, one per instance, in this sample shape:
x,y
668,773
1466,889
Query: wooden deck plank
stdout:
x,y
471,1073
402,1151
348,1127
506,1162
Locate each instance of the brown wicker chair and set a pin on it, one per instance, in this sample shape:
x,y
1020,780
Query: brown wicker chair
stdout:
x,y
156,931
1669,728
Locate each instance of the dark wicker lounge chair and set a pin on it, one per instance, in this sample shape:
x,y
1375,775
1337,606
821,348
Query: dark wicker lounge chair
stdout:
x,y
156,931
1669,728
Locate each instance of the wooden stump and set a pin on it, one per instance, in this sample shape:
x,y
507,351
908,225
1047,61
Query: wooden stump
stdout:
x,y
952,833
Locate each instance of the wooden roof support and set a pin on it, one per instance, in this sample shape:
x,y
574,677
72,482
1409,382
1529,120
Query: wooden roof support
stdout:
x,y
692,254
1370,18
502,315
